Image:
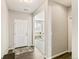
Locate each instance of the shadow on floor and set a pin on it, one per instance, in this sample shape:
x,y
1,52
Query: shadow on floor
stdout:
x,y
9,56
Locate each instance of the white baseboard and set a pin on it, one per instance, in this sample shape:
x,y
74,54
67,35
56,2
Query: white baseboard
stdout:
x,y
69,51
58,54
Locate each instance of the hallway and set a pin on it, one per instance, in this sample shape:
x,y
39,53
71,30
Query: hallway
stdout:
x,y
42,24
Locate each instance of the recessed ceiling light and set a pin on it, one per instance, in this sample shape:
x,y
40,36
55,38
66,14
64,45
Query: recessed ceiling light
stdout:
x,y
26,1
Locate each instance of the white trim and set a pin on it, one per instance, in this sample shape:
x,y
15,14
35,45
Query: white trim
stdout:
x,y
57,55
69,51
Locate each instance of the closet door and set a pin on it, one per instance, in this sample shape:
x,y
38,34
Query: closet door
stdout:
x,y
20,33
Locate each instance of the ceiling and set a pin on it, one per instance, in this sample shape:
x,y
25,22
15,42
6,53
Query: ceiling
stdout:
x,y
28,7
17,5
66,3
40,16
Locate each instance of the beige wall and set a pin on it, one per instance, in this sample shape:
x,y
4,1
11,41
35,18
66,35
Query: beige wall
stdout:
x,y
59,28
4,28
22,16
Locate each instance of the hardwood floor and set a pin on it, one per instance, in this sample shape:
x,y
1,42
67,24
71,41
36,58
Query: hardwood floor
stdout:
x,y
9,56
34,55
65,56
37,55
30,55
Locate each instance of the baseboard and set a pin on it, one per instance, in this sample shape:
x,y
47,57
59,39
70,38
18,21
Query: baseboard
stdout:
x,y
57,55
69,51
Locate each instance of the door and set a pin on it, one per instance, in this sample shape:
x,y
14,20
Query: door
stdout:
x,y
70,34
20,33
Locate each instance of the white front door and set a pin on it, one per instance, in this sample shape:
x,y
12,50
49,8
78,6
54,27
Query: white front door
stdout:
x,y
20,33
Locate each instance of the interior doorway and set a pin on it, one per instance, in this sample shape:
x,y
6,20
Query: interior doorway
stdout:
x,y
39,31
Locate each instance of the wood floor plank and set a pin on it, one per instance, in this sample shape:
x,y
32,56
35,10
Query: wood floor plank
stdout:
x,y
65,56
30,55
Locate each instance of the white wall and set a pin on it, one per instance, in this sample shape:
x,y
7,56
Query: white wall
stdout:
x,y
75,29
59,28
22,16
4,28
